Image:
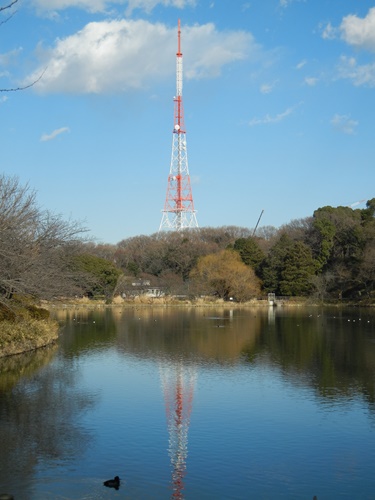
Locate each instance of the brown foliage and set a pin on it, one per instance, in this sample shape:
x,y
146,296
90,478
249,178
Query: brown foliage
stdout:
x,y
225,275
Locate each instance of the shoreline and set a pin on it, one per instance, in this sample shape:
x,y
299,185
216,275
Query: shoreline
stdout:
x,y
29,335
173,302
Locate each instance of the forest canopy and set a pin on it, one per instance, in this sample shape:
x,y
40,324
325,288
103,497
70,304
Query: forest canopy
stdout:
x,y
329,255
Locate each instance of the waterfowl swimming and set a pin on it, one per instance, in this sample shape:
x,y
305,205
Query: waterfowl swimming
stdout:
x,y
113,483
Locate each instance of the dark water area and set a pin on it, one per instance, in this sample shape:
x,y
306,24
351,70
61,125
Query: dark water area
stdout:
x,y
193,403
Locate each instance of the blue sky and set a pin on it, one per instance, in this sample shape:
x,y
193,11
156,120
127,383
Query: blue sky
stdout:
x,y
279,99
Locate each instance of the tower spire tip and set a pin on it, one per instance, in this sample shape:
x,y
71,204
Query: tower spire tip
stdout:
x,y
179,38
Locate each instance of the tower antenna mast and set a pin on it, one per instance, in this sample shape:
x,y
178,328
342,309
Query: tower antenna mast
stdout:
x,y
178,212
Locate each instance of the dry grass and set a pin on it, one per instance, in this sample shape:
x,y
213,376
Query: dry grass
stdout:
x,y
26,335
144,301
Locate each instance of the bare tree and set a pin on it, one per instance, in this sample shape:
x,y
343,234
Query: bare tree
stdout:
x,y
36,247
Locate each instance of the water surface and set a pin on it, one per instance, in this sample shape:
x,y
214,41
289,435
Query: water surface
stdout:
x,y
193,403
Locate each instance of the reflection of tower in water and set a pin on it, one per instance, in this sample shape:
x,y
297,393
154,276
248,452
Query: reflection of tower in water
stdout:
x,y
178,382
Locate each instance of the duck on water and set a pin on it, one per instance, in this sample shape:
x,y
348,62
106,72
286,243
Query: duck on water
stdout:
x,y
113,483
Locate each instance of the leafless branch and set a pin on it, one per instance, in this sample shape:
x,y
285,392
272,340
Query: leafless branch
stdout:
x,y
7,19
8,6
26,86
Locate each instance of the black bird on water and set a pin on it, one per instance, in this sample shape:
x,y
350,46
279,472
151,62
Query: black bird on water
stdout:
x,y
113,483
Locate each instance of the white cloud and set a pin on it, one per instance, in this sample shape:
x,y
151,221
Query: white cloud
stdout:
x,y
359,32
271,119
285,3
311,81
301,64
3,98
267,88
355,31
120,55
358,74
344,123
89,5
103,5
208,50
149,5
54,134
329,32
8,57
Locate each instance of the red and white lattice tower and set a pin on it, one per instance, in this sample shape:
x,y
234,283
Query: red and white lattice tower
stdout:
x,y
178,386
178,212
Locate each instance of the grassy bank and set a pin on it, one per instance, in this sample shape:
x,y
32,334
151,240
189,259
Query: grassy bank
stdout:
x,y
26,335
170,301
149,301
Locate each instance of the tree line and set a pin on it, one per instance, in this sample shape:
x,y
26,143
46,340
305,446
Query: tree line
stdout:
x,y
330,255
327,256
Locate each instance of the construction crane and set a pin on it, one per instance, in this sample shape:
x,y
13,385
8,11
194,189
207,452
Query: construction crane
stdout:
x,y
356,203
256,226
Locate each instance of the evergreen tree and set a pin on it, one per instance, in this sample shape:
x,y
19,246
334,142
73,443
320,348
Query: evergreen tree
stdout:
x,y
250,252
299,268
98,276
273,265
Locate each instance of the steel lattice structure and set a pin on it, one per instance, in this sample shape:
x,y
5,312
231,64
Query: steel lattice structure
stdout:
x,y
178,381
178,212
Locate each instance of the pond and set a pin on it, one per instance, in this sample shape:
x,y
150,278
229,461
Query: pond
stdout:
x,y
193,403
